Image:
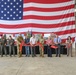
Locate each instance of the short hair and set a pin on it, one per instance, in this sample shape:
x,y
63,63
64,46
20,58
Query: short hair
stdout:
x,y
10,36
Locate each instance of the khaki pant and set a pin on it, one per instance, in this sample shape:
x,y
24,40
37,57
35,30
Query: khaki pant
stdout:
x,y
69,51
41,52
19,53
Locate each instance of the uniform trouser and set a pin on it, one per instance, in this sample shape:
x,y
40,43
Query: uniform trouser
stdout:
x,y
49,51
3,48
69,51
19,53
11,49
27,50
33,52
41,51
58,50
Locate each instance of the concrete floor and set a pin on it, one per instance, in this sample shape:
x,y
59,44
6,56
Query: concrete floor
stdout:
x,y
38,66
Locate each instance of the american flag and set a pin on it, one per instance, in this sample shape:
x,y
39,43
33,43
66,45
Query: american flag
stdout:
x,y
39,16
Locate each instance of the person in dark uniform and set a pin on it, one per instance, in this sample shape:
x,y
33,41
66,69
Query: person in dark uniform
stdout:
x,y
11,46
3,46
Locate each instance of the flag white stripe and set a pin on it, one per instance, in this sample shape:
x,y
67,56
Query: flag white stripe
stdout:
x,y
56,13
37,21
38,29
55,5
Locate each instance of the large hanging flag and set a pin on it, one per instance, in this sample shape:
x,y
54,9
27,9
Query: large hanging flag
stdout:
x,y
42,16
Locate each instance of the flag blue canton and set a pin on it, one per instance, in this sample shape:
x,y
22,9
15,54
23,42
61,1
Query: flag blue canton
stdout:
x,y
11,9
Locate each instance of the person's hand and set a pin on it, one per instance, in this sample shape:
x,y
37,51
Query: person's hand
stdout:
x,y
10,43
48,44
5,44
31,44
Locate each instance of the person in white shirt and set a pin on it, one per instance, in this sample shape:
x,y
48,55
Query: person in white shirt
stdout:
x,y
33,43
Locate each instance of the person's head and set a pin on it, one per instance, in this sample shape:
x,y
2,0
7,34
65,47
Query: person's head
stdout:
x,y
26,36
41,36
0,36
52,34
69,38
56,36
10,37
49,38
33,36
19,34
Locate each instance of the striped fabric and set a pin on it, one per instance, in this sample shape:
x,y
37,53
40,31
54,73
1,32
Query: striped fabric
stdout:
x,y
43,16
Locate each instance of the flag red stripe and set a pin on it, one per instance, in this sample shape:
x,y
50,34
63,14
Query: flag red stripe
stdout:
x,y
38,25
48,17
48,9
46,1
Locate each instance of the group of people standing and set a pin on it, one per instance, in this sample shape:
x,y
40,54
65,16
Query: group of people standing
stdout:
x,y
30,43
52,41
6,42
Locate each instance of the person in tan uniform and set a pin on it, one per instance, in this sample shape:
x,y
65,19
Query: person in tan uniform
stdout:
x,y
41,46
19,42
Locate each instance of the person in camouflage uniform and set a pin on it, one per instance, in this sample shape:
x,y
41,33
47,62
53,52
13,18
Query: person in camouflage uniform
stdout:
x,y
19,41
41,46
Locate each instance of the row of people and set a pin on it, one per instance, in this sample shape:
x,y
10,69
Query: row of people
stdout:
x,y
55,42
3,43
